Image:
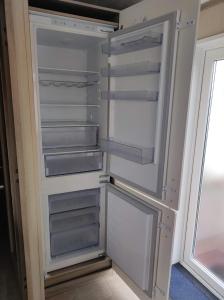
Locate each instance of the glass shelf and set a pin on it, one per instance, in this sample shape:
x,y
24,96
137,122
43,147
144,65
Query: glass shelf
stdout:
x,y
58,124
68,150
131,95
141,68
67,105
66,83
72,72
134,43
129,152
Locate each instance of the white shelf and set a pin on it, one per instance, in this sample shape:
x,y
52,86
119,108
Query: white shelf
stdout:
x,y
141,68
68,105
72,72
59,124
137,154
69,150
151,96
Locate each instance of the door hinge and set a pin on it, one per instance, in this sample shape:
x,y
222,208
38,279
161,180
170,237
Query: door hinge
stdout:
x,y
104,179
158,291
164,227
185,24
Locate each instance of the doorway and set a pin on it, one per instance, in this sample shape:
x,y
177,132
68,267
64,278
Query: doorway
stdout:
x,y
204,244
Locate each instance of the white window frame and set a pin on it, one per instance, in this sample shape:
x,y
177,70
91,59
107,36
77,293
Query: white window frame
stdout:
x,y
191,163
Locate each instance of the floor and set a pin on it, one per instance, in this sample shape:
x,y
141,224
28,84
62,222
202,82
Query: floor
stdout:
x,y
8,284
185,287
106,285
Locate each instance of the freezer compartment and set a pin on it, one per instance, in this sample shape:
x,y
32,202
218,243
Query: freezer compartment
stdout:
x,y
74,219
128,152
141,68
64,202
71,163
57,137
131,95
75,239
143,39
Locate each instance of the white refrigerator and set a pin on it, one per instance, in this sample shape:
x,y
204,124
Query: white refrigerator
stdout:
x,y
111,110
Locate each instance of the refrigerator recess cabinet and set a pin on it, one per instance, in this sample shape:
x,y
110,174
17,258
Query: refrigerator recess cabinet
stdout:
x,y
111,122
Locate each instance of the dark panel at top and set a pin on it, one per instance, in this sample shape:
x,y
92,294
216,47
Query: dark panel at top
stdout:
x,y
115,4
76,9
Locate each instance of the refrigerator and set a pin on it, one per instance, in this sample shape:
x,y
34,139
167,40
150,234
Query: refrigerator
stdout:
x,y
110,127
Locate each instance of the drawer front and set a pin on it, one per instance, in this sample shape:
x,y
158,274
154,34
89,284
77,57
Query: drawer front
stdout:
x,y
74,219
73,163
73,240
74,200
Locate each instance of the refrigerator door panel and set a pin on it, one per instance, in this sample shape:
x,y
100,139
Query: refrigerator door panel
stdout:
x,y
147,113
139,101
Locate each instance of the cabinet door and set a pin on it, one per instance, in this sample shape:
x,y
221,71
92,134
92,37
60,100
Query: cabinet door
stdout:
x,y
137,244
143,109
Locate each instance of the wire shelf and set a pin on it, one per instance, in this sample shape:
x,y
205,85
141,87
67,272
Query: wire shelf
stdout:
x,y
66,83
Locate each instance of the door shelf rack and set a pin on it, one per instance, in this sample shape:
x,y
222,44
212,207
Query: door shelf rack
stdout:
x,y
135,43
142,68
140,155
151,96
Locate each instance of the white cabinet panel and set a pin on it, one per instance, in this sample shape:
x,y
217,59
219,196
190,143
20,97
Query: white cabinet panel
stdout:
x,y
131,235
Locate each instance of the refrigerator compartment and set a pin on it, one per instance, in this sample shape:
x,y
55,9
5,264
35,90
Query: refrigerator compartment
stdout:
x,y
73,240
72,163
131,95
129,152
74,219
64,202
58,137
142,68
140,41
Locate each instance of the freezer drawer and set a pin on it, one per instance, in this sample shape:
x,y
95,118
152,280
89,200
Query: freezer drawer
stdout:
x,y
73,200
74,219
75,239
57,137
72,163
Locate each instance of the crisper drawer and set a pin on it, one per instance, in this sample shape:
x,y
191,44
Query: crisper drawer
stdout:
x,y
69,136
71,163
73,240
73,200
74,219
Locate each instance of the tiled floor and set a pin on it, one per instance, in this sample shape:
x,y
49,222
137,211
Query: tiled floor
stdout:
x,y
8,285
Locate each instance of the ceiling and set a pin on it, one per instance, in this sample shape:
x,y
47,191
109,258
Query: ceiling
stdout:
x,y
115,4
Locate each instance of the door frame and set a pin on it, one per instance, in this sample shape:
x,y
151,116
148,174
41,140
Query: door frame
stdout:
x,y
191,162
20,67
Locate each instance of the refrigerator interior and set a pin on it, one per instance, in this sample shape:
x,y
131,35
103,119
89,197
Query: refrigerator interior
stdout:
x,y
70,121
85,83
68,70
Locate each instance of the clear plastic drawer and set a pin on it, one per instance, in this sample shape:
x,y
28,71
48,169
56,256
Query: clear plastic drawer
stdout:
x,y
74,219
73,200
73,240
71,163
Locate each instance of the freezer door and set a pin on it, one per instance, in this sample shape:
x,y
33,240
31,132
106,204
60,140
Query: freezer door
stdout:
x,y
133,236
141,73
